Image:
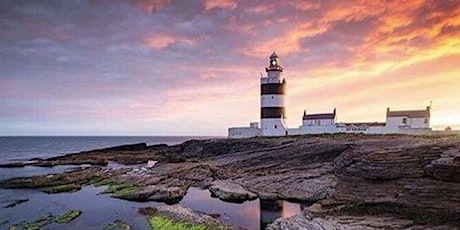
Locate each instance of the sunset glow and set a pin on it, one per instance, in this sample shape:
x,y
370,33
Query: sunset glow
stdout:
x,y
166,67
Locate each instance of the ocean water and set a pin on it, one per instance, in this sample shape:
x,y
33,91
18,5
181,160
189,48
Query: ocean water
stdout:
x,y
24,148
101,209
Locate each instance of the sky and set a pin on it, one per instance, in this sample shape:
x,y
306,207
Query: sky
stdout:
x,y
186,67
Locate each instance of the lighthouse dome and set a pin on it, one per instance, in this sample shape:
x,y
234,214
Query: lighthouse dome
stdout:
x,y
274,55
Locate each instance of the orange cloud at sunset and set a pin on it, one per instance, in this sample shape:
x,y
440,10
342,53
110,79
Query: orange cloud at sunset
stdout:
x,y
159,42
227,4
193,67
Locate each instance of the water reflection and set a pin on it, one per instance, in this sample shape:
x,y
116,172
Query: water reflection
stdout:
x,y
270,210
98,210
256,214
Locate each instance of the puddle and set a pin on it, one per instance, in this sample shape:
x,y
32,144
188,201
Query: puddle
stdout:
x,y
99,210
256,214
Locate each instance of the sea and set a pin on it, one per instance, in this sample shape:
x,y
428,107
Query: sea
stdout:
x,y
100,210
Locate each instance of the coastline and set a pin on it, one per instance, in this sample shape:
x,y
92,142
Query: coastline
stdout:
x,y
372,181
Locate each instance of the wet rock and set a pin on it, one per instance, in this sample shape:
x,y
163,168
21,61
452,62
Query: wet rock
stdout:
x,y
39,223
117,225
228,190
15,203
181,218
130,147
13,165
3,222
167,194
68,216
456,160
446,172
410,177
152,193
63,188
77,177
304,221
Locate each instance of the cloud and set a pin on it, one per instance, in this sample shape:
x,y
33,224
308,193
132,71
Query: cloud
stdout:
x,y
150,5
154,66
225,4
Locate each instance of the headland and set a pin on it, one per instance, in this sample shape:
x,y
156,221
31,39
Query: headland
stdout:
x,y
344,181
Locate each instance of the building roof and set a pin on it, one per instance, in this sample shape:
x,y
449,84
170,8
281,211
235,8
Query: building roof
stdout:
x,y
319,116
410,113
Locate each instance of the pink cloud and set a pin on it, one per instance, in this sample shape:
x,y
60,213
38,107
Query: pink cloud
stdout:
x,y
225,4
150,6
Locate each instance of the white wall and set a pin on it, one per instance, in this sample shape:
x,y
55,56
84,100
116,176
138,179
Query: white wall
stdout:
x,y
243,132
376,130
317,122
304,129
273,127
392,124
271,79
272,100
417,123
294,131
395,124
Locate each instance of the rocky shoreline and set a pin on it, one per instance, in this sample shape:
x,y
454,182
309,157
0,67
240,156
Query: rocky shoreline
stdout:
x,y
351,181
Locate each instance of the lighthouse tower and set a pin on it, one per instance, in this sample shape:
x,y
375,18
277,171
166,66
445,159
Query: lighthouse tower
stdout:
x,y
272,113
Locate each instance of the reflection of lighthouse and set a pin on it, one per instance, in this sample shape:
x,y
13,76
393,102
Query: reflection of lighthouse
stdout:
x,y
270,210
272,116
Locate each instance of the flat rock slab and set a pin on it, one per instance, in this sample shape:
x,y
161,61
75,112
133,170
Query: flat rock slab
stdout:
x,y
228,190
304,221
179,217
155,193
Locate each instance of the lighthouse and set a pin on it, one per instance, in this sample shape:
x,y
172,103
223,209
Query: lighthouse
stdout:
x,y
273,115
273,89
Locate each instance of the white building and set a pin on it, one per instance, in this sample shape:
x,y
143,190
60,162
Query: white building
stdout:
x,y
408,121
319,123
244,132
273,115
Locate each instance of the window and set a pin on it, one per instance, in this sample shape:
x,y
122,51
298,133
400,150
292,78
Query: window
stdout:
x,y
404,121
426,120
276,126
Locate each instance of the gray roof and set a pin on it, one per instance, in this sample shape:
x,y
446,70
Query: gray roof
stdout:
x,y
409,113
319,116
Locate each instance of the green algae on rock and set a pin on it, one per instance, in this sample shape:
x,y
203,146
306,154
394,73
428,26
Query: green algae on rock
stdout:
x,y
180,218
63,188
158,222
117,224
68,216
39,223
113,188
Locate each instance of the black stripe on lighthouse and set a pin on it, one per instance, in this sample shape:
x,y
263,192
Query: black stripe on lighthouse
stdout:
x,y
273,88
272,112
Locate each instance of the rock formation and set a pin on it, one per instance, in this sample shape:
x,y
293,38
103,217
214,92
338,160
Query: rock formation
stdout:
x,y
352,181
